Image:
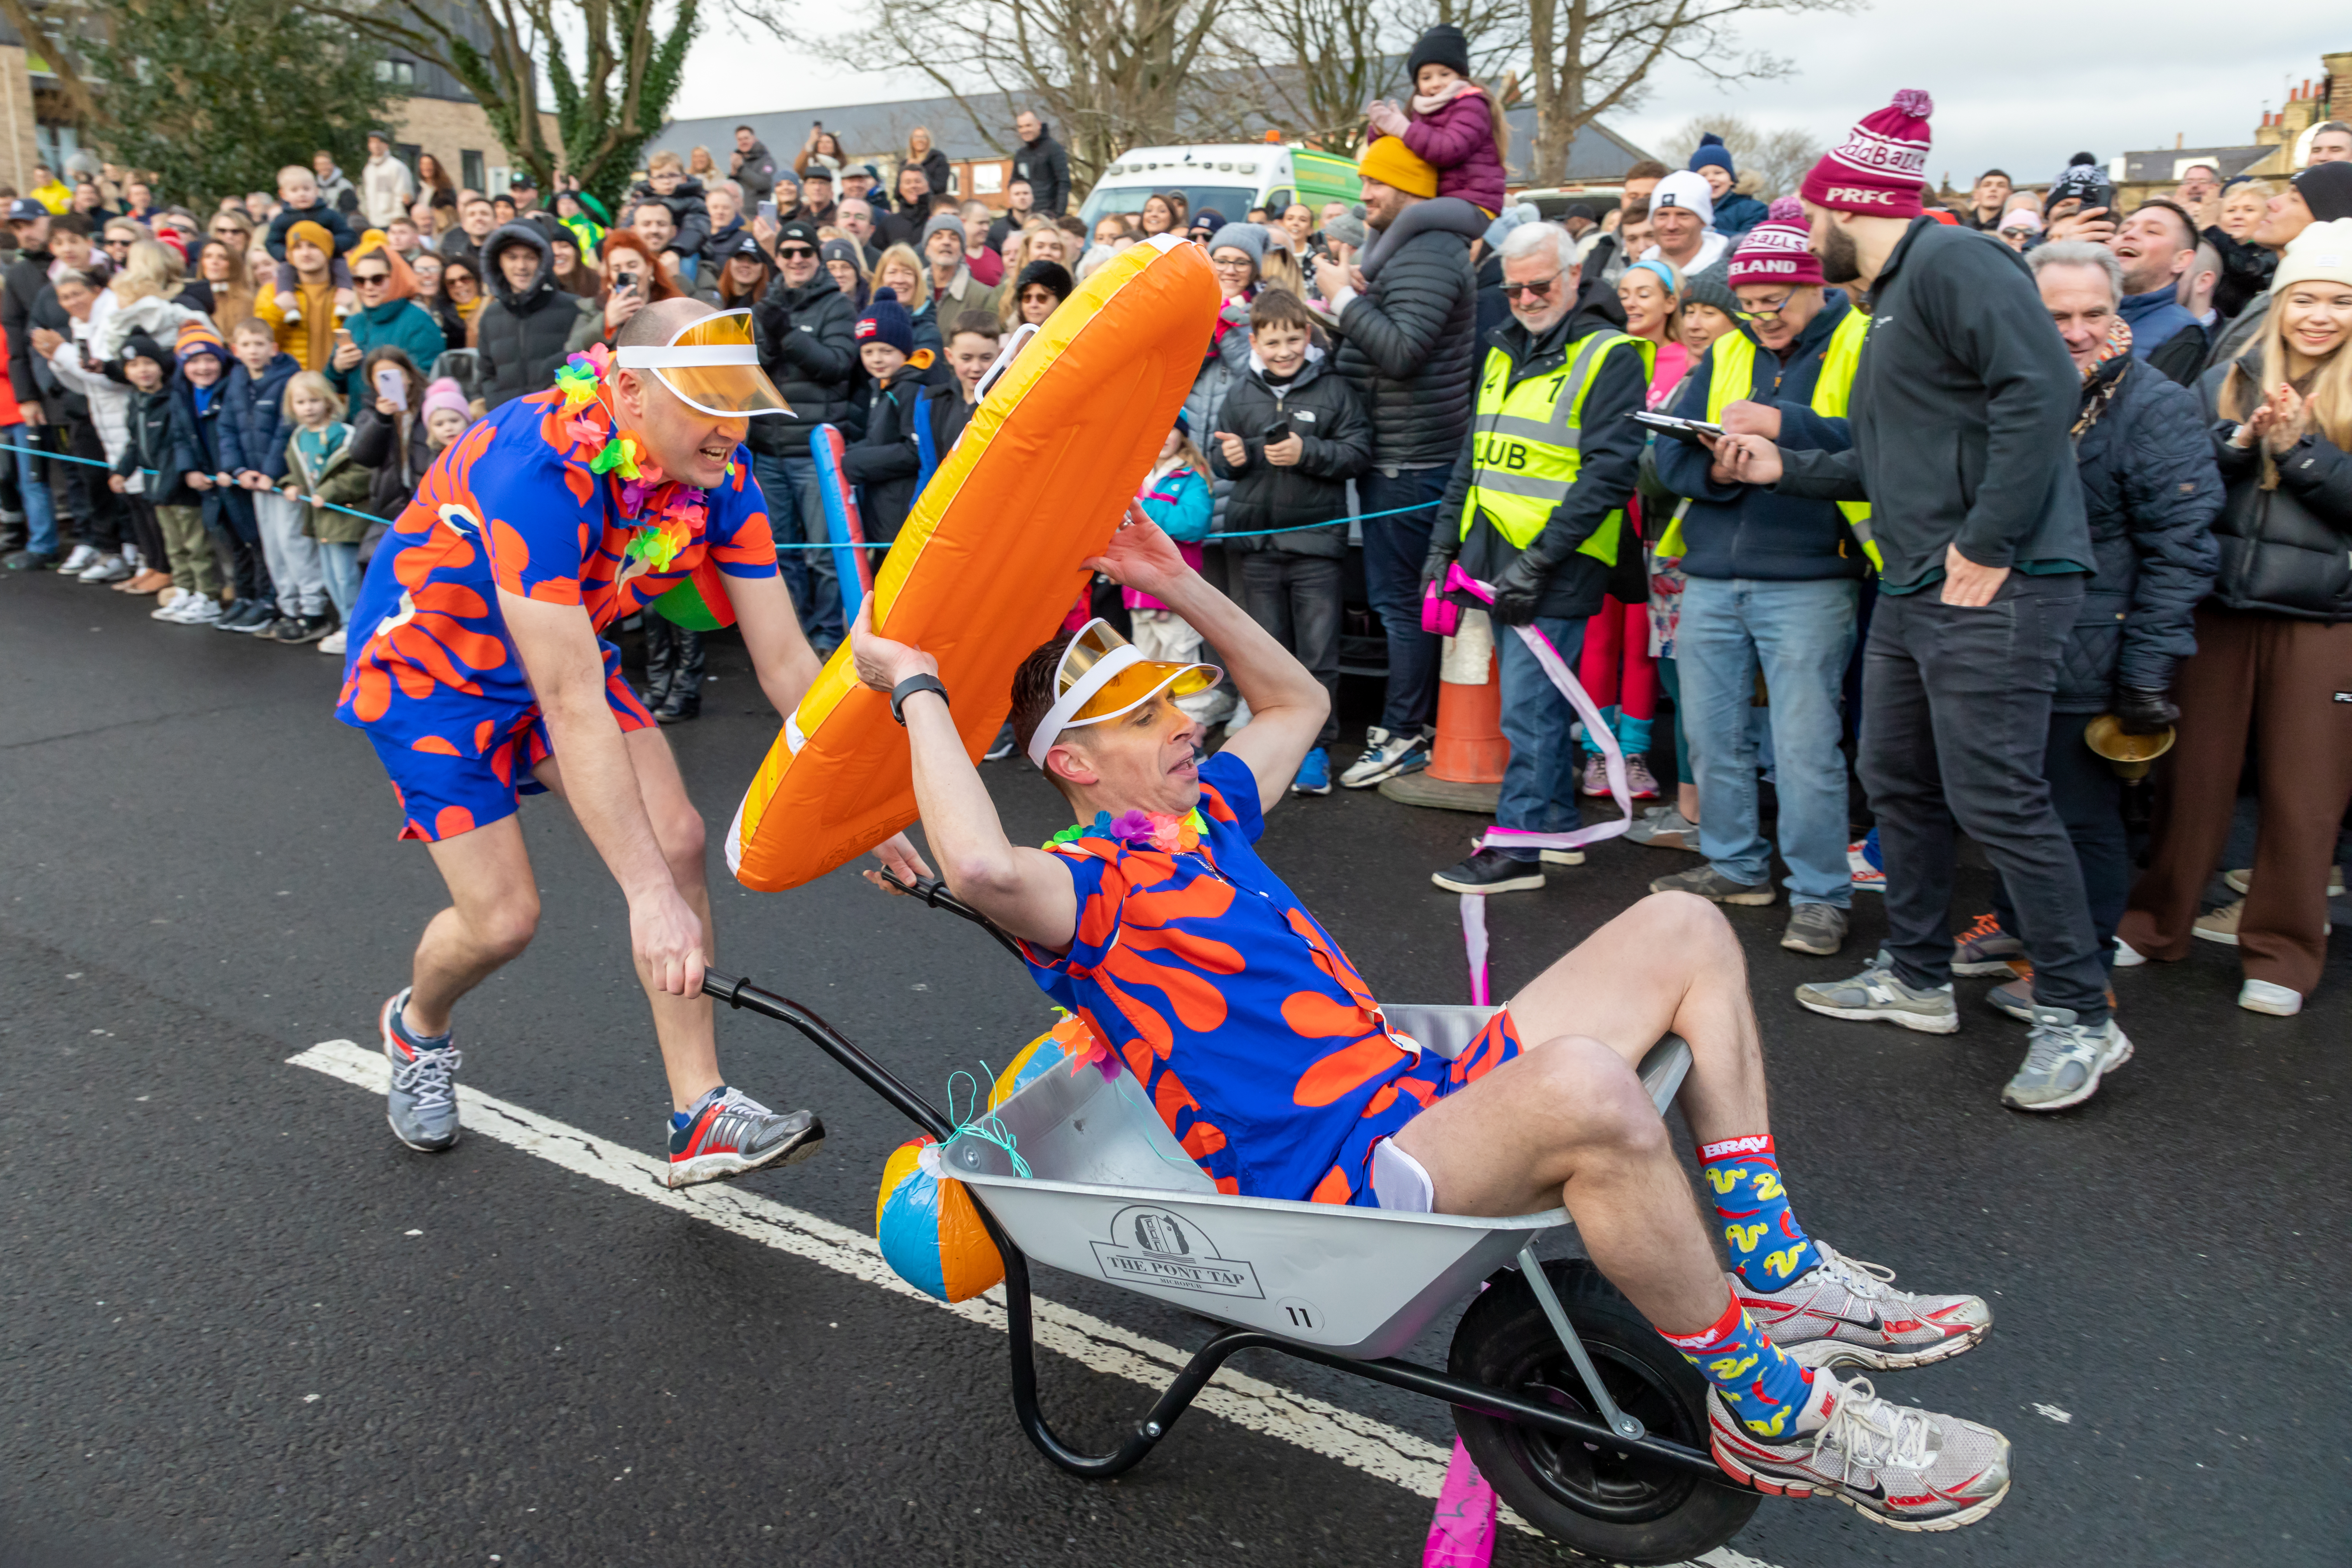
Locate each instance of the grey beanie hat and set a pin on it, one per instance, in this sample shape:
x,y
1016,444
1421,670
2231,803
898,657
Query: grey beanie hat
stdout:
x,y
941,222
1244,237
1709,288
1347,229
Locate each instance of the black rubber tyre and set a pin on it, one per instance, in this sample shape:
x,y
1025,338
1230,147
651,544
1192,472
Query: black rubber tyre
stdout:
x,y
1588,1500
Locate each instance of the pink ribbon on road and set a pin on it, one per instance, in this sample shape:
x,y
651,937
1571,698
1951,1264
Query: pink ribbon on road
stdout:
x,y
1473,905
1462,1533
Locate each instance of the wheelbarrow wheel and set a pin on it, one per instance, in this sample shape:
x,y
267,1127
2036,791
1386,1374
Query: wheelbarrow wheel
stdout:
x,y
1592,1500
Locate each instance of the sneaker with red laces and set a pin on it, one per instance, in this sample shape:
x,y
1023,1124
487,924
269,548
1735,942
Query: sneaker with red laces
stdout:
x,y
728,1134
1905,1468
1984,948
1844,1309
1867,878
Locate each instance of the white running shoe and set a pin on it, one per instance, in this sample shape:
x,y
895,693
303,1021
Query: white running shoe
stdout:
x,y
1867,878
105,569
2128,956
1847,1311
198,610
1906,1468
1876,993
2263,996
78,560
333,642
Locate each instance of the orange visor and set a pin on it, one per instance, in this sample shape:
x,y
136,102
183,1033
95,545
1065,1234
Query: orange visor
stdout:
x,y
713,366
1102,676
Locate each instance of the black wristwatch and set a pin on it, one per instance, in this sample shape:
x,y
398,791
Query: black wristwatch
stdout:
x,y
908,688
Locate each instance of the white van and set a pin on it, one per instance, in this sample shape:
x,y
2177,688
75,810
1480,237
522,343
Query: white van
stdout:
x,y
1229,176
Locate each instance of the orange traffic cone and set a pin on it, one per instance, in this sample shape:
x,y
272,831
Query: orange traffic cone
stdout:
x,y
1467,760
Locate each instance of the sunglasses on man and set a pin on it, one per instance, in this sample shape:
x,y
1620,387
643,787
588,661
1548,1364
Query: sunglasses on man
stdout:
x,y
1540,288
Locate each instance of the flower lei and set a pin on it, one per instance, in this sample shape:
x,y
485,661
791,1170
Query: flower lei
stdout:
x,y
1081,1048
676,509
1140,830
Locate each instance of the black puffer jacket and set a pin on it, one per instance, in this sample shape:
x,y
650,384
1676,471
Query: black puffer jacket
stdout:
x,y
1336,442
808,346
887,462
396,449
2150,493
687,208
521,336
1409,345
2284,551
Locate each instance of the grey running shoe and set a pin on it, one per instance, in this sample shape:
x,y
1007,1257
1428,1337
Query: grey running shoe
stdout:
x,y
1875,992
1715,887
730,1134
1984,948
422,1108
1664,827
1817,929
1844,1310
2064,1060
1385,756
1910,1469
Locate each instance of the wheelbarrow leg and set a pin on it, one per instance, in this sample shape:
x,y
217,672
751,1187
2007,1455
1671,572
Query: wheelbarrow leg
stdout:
x,y
1019,1321
1623,1422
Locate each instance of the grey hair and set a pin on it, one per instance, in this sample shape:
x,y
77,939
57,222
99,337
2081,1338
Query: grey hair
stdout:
x,y
2079,253
1531,238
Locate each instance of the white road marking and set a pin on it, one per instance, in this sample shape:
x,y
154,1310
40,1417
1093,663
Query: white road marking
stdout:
x,y
2053,1413
1358,1441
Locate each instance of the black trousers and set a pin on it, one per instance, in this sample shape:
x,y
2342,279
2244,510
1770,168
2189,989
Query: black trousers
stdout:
x,y
146,532
1297,598
2089,798
99,509
1956,719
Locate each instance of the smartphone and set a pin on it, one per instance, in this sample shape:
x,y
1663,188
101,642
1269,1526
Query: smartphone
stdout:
x,y
626,283
767,212
1688,430
392,387
342,338
1278,432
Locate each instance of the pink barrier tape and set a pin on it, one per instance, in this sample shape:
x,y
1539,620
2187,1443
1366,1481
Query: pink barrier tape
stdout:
x,y
1473,911
1462,1535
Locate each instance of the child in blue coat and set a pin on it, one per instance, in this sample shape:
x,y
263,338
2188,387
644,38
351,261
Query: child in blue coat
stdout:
x,y
1176,496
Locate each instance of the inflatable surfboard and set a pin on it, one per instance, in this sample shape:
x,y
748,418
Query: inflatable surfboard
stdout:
x,y
991,557
852,563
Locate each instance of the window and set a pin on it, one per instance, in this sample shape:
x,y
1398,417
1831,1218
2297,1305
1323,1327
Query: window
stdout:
x,y
398,73
988,179
408,152
470,172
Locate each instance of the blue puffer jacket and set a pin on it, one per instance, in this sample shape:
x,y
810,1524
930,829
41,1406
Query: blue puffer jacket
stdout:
x,y
2150,491
1735,215
253,418
1752,530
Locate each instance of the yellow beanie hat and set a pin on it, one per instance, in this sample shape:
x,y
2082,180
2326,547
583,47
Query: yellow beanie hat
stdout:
x,y
1391,163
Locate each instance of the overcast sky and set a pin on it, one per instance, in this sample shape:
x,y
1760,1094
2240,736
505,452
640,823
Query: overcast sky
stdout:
x,y
2018,83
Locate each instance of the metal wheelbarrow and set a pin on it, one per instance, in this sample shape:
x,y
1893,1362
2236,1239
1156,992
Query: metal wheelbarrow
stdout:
x,y
1581,1418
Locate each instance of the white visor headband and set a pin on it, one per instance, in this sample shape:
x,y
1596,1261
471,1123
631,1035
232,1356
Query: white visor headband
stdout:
x,y
643,358
1057,718
721,379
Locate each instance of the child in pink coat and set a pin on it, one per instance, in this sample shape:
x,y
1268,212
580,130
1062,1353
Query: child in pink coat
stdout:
x,y
1452,123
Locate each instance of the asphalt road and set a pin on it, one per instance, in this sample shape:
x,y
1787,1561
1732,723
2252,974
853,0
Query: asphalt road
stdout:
x,y
240,1324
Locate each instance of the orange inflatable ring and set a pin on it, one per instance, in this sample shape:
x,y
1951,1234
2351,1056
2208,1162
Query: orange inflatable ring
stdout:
x,y
992,557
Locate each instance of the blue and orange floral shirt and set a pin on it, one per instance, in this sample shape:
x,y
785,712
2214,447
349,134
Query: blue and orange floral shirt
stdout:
x,y
514,504
1253,1034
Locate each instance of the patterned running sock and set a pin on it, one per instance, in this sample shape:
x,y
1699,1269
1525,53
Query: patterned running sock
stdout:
x,y
1769,1248
1763,1387
409,1037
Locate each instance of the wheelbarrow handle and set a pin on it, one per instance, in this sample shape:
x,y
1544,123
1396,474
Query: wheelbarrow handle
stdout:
x,y
743,994
933,891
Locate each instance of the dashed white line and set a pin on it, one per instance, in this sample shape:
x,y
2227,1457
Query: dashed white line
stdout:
x,y
1354,1440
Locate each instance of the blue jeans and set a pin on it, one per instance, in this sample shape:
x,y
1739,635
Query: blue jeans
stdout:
x,y
1800,633
796,516
41,512
1394,548
1540,781
341,565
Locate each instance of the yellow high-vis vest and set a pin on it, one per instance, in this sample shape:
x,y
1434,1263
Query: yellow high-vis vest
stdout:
x,y
1524,443
1733,377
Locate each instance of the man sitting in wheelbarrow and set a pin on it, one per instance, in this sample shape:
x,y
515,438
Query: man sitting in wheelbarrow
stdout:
x,y
1268,1059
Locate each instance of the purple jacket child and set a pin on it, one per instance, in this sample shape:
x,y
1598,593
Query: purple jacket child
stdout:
x,y
1458,137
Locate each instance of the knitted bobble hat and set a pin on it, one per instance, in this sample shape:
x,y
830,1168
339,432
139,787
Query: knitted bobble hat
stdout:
x,y
885,321
1778,250
1878,169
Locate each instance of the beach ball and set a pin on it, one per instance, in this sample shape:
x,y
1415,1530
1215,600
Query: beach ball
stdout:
x,y
1041,1056
930,1233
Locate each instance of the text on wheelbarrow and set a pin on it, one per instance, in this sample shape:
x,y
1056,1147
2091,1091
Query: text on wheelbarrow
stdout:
x,y
1153,1247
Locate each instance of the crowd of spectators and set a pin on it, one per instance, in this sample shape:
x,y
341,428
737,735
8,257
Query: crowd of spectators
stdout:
x,y
222,410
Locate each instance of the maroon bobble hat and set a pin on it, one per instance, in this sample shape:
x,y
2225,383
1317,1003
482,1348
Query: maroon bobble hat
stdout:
x,y
1777,249
1879,168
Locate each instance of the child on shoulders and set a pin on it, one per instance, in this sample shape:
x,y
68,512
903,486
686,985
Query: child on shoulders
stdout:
x,y
1450,122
